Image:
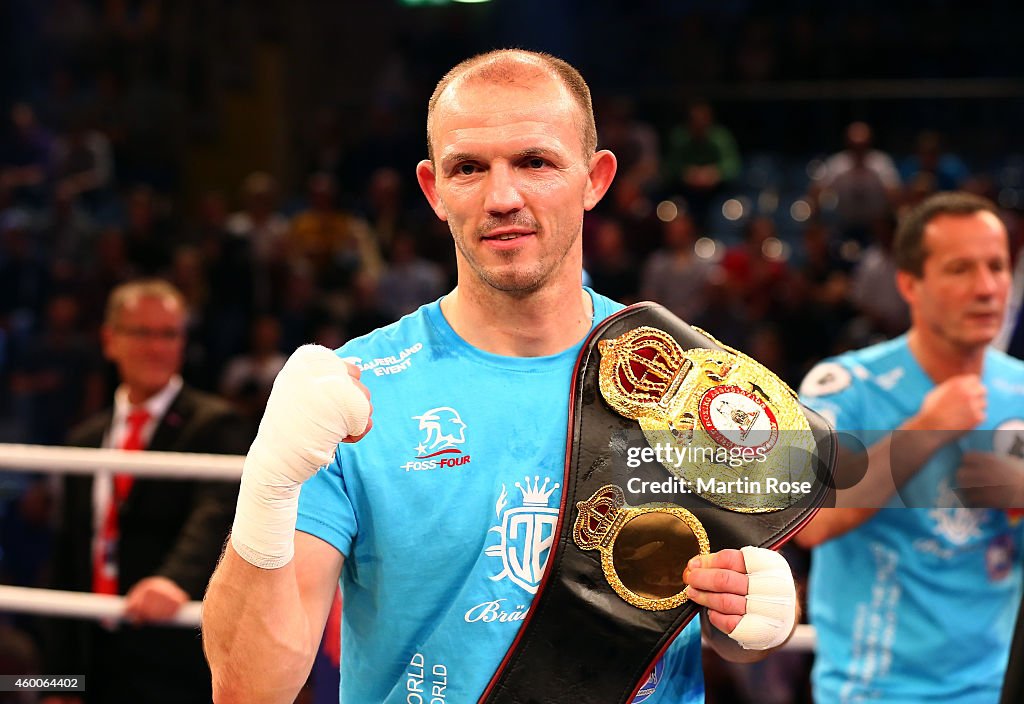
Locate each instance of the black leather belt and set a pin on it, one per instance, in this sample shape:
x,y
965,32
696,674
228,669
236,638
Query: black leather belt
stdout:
x,y
677,445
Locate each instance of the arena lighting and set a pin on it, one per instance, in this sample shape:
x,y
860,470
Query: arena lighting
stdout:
x,y
667,211
772,248
800,211
705,248
732,209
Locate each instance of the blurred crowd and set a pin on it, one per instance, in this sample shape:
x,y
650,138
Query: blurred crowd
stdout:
x,y
782,253
791,269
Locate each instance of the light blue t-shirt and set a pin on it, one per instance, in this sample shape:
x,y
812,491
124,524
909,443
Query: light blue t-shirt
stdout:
x,y
446,513
917,604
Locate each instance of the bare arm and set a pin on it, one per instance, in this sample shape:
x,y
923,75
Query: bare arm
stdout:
x,y
887,468
262,628
948,411
269,598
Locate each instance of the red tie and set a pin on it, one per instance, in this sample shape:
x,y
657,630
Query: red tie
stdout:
x,y
104,578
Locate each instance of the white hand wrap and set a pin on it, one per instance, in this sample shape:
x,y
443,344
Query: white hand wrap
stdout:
x,y
771,601
313,406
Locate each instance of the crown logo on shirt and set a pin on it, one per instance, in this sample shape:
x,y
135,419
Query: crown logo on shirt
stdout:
x,y
536,494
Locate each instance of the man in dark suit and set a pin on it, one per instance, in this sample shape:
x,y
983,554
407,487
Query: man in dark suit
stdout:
x,y
155,541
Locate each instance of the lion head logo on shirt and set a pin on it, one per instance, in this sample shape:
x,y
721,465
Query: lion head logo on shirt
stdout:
x,y
443,429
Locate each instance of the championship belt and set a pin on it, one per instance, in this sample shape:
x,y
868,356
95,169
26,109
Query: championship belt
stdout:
x,y
677,445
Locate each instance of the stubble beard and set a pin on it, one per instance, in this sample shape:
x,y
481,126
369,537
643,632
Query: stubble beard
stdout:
x,y
960,337
507,277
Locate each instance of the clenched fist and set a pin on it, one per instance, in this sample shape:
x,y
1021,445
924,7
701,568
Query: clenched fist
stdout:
x,y
317,402
957,405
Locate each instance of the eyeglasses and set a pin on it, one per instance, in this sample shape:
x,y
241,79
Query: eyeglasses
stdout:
x,y
140,332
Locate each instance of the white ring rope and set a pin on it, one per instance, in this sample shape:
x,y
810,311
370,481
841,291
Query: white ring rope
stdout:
x,y
803,640
53,602
174,465
88,460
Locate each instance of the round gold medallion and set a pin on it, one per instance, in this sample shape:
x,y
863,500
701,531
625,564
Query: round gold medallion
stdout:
x,y
644,549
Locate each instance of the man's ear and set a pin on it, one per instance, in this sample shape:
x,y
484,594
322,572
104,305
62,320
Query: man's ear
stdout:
x,y
428,184
107,342
906,284
602,170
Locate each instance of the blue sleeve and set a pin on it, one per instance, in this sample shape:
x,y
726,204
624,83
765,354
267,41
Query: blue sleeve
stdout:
x,y
325,509
836,391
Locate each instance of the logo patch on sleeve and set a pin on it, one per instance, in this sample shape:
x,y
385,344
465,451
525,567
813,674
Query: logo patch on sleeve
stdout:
x,y
825,379
1008,438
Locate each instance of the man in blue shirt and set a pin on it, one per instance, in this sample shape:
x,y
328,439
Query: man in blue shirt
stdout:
x,y
914,582
441,522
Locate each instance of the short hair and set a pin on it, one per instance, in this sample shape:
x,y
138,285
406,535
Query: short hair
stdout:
x,y
510,65
126,294
908,247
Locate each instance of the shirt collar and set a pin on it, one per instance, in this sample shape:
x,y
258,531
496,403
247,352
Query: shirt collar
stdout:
x,y
156,405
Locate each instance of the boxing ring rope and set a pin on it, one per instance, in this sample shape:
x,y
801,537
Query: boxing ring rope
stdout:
x,y
84,460
172,465
53,602
88,460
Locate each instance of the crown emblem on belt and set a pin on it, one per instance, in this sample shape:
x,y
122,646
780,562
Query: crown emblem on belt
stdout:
x,y
644,549
717,401
641,371
597,517
645,373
